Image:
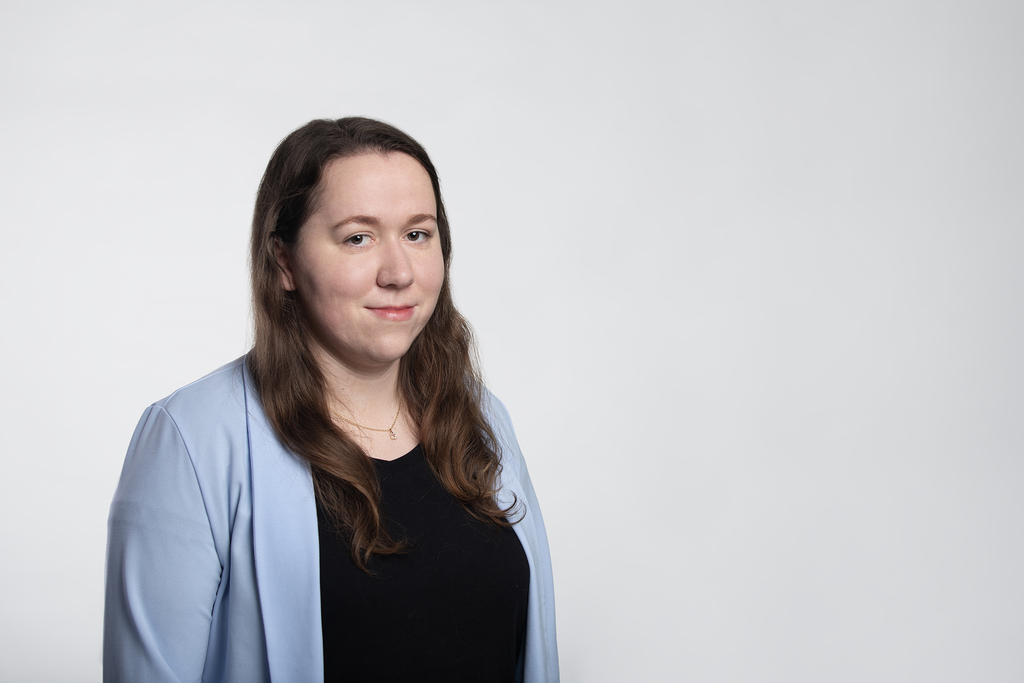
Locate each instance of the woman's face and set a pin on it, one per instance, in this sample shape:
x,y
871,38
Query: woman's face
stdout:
x,y
367,266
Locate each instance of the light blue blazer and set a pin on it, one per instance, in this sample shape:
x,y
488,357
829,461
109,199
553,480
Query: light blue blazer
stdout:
x,y
213,564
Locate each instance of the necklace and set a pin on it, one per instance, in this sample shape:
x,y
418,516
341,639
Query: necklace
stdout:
x,y
390,430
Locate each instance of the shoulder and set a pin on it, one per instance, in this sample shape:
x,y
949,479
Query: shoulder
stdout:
x,y
207,419
221,391
501,424
494,410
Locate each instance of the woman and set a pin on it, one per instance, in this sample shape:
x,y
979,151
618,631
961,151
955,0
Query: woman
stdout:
x,y
346,502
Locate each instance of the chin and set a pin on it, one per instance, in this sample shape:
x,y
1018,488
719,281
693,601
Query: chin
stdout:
x,y
386,354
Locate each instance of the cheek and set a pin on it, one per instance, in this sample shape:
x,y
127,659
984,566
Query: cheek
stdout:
x,y
435,277
329,281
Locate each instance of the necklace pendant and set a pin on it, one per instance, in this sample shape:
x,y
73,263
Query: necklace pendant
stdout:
x,y
394,437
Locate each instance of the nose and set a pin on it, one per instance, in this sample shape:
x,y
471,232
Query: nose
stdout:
x,y
395,268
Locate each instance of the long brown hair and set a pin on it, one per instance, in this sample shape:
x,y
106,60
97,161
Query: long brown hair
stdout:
x,y
438,378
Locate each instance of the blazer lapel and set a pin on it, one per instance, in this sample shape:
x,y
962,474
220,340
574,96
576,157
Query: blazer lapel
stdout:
x,y
286,549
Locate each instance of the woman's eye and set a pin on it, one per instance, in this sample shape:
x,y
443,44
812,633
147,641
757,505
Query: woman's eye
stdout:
x,y
356,240
417,236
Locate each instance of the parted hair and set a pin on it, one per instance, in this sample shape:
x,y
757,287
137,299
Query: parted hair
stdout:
x,y
439,381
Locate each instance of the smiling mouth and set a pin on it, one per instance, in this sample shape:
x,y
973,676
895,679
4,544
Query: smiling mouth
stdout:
x,y
397,313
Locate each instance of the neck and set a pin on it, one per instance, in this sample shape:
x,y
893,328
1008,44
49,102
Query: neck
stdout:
x,y
370,395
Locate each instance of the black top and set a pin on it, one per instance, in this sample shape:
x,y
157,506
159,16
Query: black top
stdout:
x,y
451,608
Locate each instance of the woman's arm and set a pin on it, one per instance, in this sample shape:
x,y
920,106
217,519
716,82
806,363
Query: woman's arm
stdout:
x,y
541,662
163,568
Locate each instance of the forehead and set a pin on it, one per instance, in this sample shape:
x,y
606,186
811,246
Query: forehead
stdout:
x,y
373,183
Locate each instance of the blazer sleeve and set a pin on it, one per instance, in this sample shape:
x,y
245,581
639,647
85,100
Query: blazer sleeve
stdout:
x,y
163,567
540,664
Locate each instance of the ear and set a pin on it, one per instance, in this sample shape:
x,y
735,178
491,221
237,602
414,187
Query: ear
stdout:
x,y
284,262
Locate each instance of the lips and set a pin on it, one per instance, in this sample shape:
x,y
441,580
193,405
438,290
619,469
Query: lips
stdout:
x,y
396,313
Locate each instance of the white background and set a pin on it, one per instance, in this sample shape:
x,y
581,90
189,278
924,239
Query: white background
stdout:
x,y
748,276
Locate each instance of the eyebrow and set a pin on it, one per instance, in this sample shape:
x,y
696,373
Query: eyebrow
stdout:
x,y
373,220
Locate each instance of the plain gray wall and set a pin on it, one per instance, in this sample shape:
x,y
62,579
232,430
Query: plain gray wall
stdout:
x,y
748,276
